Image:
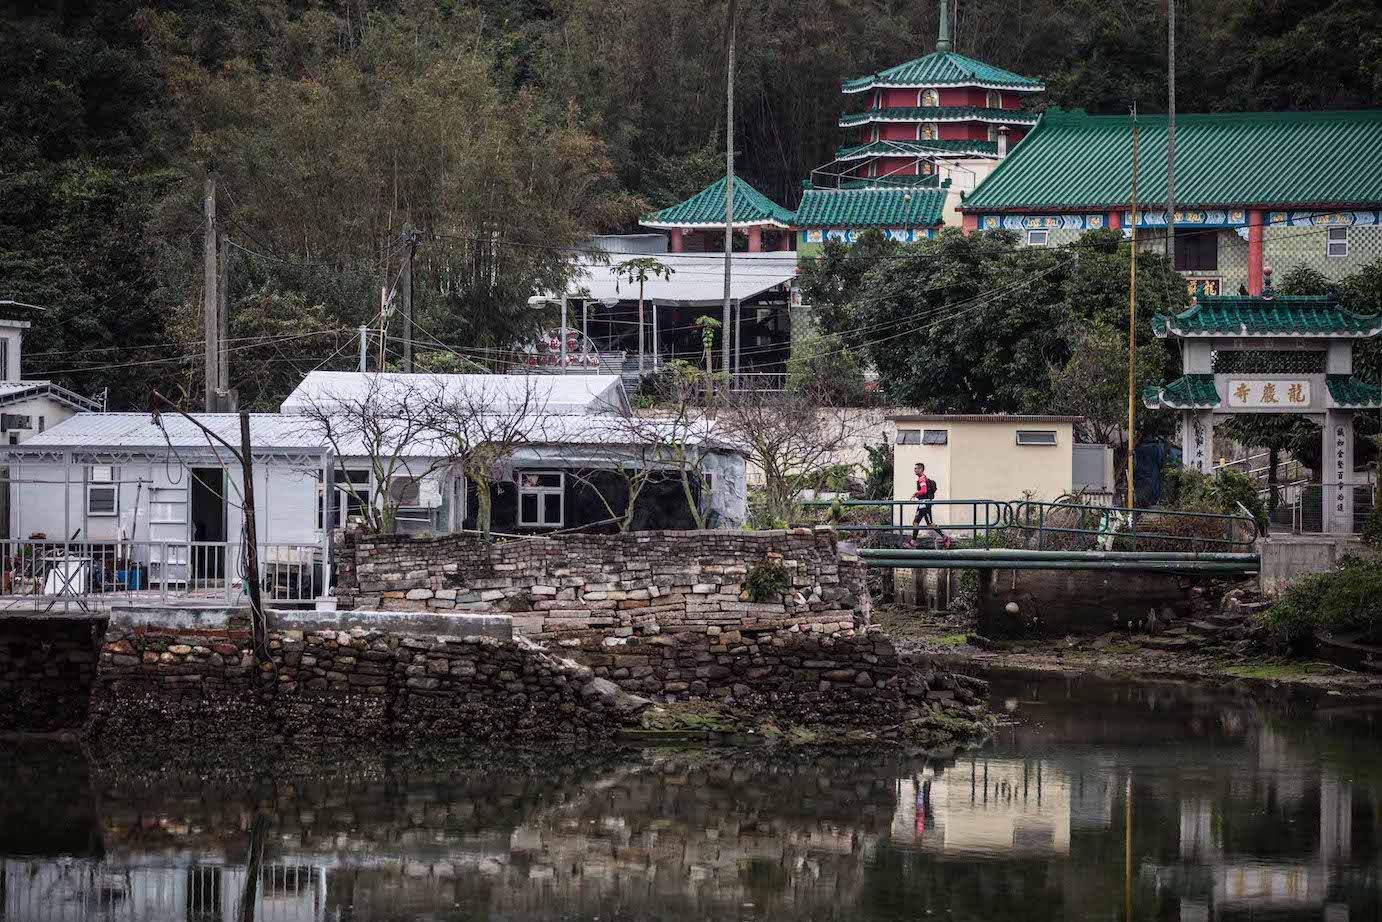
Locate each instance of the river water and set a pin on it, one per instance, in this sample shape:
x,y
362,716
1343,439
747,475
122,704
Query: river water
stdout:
x,y
1098,799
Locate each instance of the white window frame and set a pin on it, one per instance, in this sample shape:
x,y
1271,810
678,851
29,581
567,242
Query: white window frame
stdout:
x,y
993,100
909,436
541,493
933,95
1331,241
342,495
1036,438
101,479
935,436
1039,237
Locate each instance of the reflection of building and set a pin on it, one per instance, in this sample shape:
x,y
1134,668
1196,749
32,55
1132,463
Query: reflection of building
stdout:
x,y
988,806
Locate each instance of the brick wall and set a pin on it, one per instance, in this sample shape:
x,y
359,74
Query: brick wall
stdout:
x,y
626,584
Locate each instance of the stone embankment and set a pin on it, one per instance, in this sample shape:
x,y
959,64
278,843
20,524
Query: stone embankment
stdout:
x,y
623,584
47,667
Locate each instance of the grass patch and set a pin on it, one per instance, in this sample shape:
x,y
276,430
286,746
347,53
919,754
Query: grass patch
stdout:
x,y
953,640
1275,671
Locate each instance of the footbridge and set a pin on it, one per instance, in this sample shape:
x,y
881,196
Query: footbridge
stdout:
x,y
985,534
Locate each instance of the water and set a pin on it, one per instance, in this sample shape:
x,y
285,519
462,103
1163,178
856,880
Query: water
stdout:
x,y
1182,803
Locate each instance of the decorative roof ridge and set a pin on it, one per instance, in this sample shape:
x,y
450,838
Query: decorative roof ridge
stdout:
x,y
1363,324
938,113
709,204
968,72
1057,115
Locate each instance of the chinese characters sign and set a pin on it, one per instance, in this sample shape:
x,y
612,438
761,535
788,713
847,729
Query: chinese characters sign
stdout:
x,y
1269,395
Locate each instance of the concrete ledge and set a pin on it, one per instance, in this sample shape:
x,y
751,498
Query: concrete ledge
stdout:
x,y
499,627
217,617
1286,558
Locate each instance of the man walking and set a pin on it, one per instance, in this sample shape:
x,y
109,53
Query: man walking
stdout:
x,y
925,492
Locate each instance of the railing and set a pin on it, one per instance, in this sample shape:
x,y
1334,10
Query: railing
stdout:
x,y
1057,526
84,574
1305,508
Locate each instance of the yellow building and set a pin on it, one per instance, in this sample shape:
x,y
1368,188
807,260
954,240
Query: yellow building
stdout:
x,y
998,458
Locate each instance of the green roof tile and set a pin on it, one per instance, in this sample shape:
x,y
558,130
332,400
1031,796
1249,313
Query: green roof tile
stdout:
x,y
915,149
1075,161
939,114
944,68
1186,392
1348,391
845,208
707,209
1282,315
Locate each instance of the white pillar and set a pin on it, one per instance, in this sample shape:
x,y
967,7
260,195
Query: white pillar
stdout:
x,y
1337,473
1197,440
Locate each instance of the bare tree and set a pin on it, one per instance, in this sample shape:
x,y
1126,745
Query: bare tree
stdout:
x,y
684,433
479,426
388,424
792,439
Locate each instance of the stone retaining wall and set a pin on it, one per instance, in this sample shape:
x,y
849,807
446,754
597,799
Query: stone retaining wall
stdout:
x,y
805,676
47,665
187,683
625,584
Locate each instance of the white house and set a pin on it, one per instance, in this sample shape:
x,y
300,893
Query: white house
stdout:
x,y
151,491
28,406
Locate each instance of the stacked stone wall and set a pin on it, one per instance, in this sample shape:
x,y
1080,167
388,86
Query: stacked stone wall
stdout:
x,y
626,584
174,683
47,665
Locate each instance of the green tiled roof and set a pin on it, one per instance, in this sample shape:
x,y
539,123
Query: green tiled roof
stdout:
x,y
870,208
1282,315
1072,160
707,209
916,149
939,114
1186,392
1348,391
891,181
944,68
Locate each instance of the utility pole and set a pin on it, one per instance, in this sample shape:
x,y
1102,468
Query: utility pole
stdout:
x,y
405,287
729,195
1132,316
1171,131
258,621
210,311
364,346
223,327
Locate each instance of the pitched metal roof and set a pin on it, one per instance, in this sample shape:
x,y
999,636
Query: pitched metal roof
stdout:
x,y
697,280
1188,392
916,149
15,391
944,68
138,430
870,208
560,393
707,209
939,114
1348,391
1073,160
983,418
1281,315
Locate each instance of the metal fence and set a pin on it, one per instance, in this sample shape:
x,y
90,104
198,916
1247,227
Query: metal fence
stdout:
x,y
1306,508
47,575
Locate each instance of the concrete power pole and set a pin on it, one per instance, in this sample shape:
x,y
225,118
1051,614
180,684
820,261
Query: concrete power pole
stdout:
x,y
224,404
725,318
405,290
1171,131
210,292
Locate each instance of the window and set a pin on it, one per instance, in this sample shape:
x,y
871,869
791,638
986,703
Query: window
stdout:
x,y
541,498
909,436
352,496
168,505
4,359
1197,251
930,98
995,99
927,132
1036,436
1336,244
993,132
935,437
42,423
1038,238
101,491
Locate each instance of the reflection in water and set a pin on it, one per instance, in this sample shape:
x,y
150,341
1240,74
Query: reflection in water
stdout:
x,y
1238,811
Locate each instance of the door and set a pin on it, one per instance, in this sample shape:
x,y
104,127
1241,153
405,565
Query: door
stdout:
x,y
208,523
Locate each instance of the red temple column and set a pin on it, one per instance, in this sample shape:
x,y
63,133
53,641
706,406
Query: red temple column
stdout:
x,y
677,243
969,223
756,239
1255,253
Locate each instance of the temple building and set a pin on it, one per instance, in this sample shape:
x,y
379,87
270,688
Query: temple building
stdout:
x,y
1253,190
930,130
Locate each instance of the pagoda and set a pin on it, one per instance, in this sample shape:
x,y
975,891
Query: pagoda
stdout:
x,y
933,128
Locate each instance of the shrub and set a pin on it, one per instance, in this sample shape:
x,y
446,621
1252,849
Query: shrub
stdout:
x,y
1372,528
878,478
767,580
823,368
1188,490
1345,599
